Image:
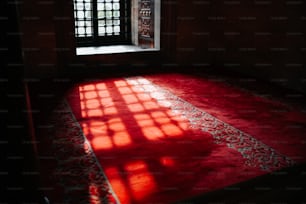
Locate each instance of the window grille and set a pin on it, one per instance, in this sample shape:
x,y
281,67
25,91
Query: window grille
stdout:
x,y
99,22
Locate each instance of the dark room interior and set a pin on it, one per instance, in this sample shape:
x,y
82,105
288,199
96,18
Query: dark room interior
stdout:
x,y
240,64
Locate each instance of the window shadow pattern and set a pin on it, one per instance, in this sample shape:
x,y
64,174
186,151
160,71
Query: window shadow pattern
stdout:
x,y
148,151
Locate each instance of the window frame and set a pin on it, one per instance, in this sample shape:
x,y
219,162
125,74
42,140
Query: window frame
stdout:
x,y
125,28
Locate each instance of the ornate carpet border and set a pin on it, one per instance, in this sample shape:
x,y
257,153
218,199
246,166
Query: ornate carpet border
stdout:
x,y
79,173
256,153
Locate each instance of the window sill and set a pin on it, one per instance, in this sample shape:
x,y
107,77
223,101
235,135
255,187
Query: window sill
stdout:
x,y
111,49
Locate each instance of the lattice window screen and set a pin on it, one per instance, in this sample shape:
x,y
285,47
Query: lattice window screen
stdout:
x,y
108,17
83,18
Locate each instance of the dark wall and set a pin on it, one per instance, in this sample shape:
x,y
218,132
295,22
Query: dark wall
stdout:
x,y
38,37
20,182
265,39
49,46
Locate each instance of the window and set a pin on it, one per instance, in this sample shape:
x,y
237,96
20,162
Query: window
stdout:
x,y
116,26
102,22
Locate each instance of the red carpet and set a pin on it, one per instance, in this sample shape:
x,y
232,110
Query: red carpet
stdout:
x,y
156,146
280,126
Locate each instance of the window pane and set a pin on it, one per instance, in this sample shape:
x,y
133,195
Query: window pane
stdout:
x,y
81,23
88,23
116,13
89,31
81,30
109,22
116,29
88,14
79,6
87,6
101,14
109,29
101,6
116,6
101,30
80,14
101,23
117,22
109,14
108,6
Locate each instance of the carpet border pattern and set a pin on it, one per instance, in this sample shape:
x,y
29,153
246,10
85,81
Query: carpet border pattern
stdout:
x,y
76,160
255,153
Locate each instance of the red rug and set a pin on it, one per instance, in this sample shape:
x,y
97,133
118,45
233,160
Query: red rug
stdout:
x,y
144,144
276,124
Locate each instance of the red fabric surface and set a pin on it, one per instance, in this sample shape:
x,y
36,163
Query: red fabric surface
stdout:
x,y
278,125
151,153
